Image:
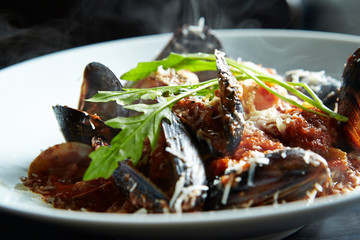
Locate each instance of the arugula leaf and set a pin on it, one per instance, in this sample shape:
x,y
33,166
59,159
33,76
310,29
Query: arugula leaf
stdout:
x,y
192,62
129,143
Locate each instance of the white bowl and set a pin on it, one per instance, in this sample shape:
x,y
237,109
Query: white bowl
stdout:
x,y
29,89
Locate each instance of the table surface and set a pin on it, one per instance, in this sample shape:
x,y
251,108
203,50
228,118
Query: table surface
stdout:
x,y
345,226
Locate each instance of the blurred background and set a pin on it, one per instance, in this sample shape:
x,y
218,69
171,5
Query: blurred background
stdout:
x,y
36,27
31,28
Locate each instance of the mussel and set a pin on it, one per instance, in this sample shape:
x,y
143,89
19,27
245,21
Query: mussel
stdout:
x,y
175,177
139,191
231,106
79,126
57,174
325,87
349,101
218,124
193,39
191,184
211,153
98,77
277,176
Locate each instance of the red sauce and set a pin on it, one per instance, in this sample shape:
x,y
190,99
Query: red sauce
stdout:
x,y
57,175
310,131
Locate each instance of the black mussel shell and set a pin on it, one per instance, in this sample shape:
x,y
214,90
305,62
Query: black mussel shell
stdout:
x,y
98,77
349,101
79,126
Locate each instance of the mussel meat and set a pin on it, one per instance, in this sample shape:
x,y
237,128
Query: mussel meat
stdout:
x,y
57,175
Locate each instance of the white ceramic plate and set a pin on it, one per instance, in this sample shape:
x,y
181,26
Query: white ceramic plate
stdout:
x,y
29,89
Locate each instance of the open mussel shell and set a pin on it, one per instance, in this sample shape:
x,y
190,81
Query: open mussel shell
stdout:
x,y
79,126
183,149
291,174
141,192
56,160
193,39
324,86
98,77
188,162
57,173
175,180
349,101
231,105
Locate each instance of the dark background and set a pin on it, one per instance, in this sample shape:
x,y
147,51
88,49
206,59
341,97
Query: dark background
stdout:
x,y
37,27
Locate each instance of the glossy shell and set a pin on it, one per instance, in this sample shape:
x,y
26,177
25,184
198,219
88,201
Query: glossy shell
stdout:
x,y
349,100
280,176
79,126
98,77
232,109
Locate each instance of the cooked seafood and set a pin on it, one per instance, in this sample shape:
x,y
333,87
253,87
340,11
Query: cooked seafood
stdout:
x,y
79,126
98,77
232,111
181,188
279,176
57,172
191,182
142,193
349,100
241,140
325,87
192,39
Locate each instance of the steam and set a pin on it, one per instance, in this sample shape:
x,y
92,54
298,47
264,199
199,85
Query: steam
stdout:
x,y
85,22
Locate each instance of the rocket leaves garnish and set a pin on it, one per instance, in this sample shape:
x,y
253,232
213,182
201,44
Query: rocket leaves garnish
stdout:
x,y
192,62
128,144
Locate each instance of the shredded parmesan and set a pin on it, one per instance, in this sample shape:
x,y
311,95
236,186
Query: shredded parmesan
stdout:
x,y
133,187
179,185
175,153
311,195
314,79
184,194
318,187
270,120
256,158
197,29
226,192
276,197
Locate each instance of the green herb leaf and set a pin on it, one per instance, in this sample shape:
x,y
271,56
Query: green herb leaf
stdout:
x,y
129,143
192,62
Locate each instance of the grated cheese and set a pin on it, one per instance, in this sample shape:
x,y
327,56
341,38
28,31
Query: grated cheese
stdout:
x,y
197,29
226,192
315,80
184,194
256,158
270,120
